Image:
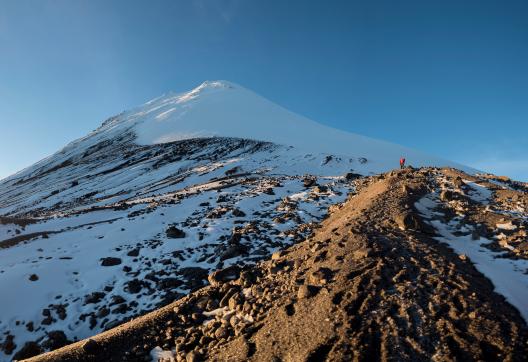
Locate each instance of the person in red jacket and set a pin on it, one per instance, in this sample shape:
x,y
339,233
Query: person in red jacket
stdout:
x,y
402,162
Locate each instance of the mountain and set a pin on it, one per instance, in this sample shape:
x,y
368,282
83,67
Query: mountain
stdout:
x,y
399,271
139,212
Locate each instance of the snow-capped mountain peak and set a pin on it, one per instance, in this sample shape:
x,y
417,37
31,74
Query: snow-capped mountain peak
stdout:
x,y
139,211
225,109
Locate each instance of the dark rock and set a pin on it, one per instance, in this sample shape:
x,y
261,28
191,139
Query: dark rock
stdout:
x,y
235,238
47,321
29,350
233,171
134,286
121,309
352,176
447,195
61,311
112,324
91,346
269,191
320,189
55,339
309,181
133,252
193,273
94,298
174,233
33,277
169,283
103,312
233,251
117,299
8,346
221,198
238,213
110,261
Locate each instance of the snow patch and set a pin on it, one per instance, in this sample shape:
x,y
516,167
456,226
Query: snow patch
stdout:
x,y
507,275
159,355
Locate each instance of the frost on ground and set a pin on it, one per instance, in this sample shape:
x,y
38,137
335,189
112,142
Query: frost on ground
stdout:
x,y
468,224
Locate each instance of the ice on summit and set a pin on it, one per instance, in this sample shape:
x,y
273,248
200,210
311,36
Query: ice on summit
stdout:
x,y
225,109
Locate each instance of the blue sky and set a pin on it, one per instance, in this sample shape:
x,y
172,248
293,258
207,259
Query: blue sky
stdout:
x,y
446,77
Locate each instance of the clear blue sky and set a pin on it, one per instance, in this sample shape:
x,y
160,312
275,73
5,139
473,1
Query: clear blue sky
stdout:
x,y
446,77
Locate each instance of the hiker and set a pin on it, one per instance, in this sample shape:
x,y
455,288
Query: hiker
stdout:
x,y
402,163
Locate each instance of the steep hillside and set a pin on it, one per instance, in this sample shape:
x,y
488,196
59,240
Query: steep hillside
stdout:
x,y
137,213
416,265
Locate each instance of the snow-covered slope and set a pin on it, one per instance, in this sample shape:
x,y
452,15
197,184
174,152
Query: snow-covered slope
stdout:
x,y
138,212
224,109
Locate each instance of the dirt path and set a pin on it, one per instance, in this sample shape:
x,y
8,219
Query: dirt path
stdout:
x,y
371,284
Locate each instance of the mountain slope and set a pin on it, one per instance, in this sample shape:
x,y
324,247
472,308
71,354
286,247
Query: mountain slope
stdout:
x,y
376,281
138,212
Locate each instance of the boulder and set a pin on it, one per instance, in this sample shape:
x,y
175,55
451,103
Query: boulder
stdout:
x,y
30,349
169,283
193,273
352,176
133,252
219,277
110,261
238,213
94,298
232,251
55,339
309,181
134,286
174,233
91,346
33,277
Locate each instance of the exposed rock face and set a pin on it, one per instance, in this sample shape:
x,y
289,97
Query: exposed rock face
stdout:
x,y
175,233
110,261
55,339
369,284
29,349
33,277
